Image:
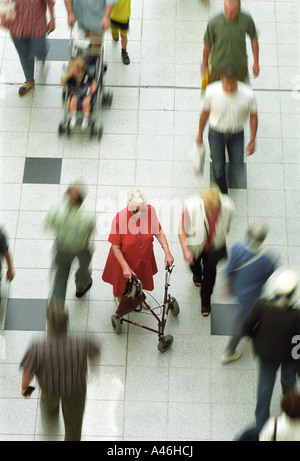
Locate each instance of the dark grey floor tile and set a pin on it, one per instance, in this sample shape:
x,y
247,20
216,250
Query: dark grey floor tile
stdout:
x,y
42,170
26,314
58,49
239,183
222,319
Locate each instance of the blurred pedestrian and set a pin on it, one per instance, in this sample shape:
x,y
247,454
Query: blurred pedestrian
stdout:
x,y
132,232
248,268
286,427
5,253
92,16
202,233
119,21
74,227
225,43
28,32
273,324
60,364
227,105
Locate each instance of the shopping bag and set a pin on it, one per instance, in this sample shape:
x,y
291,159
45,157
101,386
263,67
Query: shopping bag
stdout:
x,y
198,158
8,11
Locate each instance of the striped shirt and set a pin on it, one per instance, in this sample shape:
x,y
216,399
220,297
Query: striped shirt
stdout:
x,y
59,363
31,20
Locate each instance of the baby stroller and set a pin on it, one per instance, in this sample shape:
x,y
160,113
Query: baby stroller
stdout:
x,y
134,299
95,70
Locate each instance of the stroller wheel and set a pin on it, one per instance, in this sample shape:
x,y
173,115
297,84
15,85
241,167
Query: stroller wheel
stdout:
x,y
100,133
92,129
174,306
116,324
61,129
107,99
165,343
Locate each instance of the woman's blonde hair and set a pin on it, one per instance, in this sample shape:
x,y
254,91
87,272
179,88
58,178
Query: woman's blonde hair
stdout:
x,y
211,197
135,195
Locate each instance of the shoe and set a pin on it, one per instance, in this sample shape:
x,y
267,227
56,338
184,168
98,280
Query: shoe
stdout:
x,y
205,310
73,121
85,123
79,294
125,57
227,357
25,87
197,281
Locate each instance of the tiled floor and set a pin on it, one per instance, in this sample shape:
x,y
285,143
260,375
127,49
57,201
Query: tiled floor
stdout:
x,y
135,392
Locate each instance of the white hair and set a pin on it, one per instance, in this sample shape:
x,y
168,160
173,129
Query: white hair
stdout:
x,y
135,195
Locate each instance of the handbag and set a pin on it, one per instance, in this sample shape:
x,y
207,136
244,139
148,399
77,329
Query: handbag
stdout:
x,y
8,11
198,158
131,300
214,256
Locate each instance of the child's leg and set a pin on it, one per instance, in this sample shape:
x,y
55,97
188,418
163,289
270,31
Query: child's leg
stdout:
x,y
86,108
114,31
86,105
73,102
123,32
124,40
73,110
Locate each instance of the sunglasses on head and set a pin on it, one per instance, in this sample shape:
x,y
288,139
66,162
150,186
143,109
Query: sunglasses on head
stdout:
x,y
140,209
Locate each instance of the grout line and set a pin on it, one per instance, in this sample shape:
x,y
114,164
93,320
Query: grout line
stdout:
x,y
171,87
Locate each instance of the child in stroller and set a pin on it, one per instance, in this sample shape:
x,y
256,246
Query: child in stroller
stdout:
x,y
81,88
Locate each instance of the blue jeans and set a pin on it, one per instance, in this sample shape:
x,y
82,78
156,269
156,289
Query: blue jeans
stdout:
x,y
235,148
266,381
28,49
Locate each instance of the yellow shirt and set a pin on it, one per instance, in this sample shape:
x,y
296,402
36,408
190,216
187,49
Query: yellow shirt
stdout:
x,y
121,11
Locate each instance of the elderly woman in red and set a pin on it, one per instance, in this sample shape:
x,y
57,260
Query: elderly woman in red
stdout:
x,y
131,239
28,32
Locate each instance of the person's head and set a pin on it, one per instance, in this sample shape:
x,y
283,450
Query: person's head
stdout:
x,y
232,9
284,289
229,80
75,194
290,404
57,318
257,232
211,199
136,202
78,65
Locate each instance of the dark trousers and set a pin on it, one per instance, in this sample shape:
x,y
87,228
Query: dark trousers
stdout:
x,y
63,262
72,409
206,271
266,381
235,148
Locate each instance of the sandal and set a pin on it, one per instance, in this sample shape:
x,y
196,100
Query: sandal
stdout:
x,y
205,310
197,281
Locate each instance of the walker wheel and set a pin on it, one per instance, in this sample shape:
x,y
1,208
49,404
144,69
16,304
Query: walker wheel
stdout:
x,y
165,342
174,306
116,324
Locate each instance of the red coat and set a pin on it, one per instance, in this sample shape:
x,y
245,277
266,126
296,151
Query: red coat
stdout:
x,y
135,238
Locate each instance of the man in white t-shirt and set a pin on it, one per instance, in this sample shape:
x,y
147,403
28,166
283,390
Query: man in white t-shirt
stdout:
x,y
228,104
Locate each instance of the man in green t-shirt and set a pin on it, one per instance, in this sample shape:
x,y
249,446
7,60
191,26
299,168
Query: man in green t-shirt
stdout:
x,y
225,42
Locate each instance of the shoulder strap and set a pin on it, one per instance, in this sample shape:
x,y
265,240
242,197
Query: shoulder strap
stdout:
x,y
251,260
